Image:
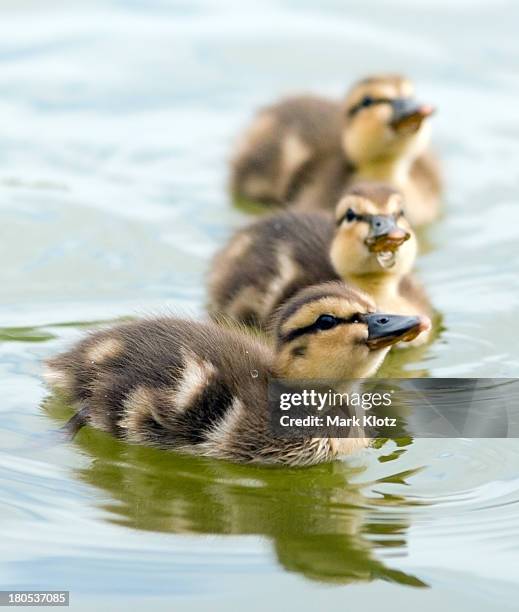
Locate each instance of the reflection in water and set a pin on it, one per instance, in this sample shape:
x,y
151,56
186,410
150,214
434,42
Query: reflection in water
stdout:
x,y
41,333
317,518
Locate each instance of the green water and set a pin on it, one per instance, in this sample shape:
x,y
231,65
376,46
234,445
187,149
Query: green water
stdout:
x,y
117,119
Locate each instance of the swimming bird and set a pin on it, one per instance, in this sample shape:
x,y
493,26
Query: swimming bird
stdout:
x,y
305,150
201,388
369,244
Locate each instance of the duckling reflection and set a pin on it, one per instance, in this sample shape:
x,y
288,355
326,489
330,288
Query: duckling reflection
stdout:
x,y
317,519
305,150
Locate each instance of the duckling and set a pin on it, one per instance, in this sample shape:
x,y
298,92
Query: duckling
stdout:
x,y
201,388
305,150
369,244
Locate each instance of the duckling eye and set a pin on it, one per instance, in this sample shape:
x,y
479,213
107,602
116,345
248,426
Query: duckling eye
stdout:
x,y
325,322
400,213
366,101
350,215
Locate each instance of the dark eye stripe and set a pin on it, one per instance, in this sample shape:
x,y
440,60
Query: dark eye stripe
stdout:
x,y
358,217
314,327
367,218
360,105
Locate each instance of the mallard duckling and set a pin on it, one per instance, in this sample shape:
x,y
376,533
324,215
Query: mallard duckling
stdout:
x,y
201,388
370,244
305,150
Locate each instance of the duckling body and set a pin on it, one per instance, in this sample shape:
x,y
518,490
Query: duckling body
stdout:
x,y
306,150
285,143
267,262
199,388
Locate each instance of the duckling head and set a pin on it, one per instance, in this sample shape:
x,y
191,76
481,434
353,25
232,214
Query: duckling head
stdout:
x,y
384,122
372,235
332,331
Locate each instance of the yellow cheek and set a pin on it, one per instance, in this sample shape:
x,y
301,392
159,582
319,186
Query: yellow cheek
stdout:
x,y
359,232
358,334
344,338
368,134
352,236
373,126
349,252
369,131
382,114
338,353
351,360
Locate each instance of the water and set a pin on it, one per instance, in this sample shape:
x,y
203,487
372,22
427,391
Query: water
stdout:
x,y
117,119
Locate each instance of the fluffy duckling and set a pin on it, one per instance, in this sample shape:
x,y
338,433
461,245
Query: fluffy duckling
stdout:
x,y
369,244
203,389
306,150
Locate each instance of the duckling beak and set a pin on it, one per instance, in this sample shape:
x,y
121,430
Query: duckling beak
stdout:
x,y
408,115
387,329
385,235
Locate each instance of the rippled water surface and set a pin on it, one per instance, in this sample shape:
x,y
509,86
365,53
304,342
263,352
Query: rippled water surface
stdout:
x,y
116,121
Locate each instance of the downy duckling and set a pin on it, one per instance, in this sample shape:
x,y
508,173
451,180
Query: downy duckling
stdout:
x,y
203,389
370,244
305,150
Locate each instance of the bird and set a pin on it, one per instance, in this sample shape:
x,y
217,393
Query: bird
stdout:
x,y
304,150
201,388
368,244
